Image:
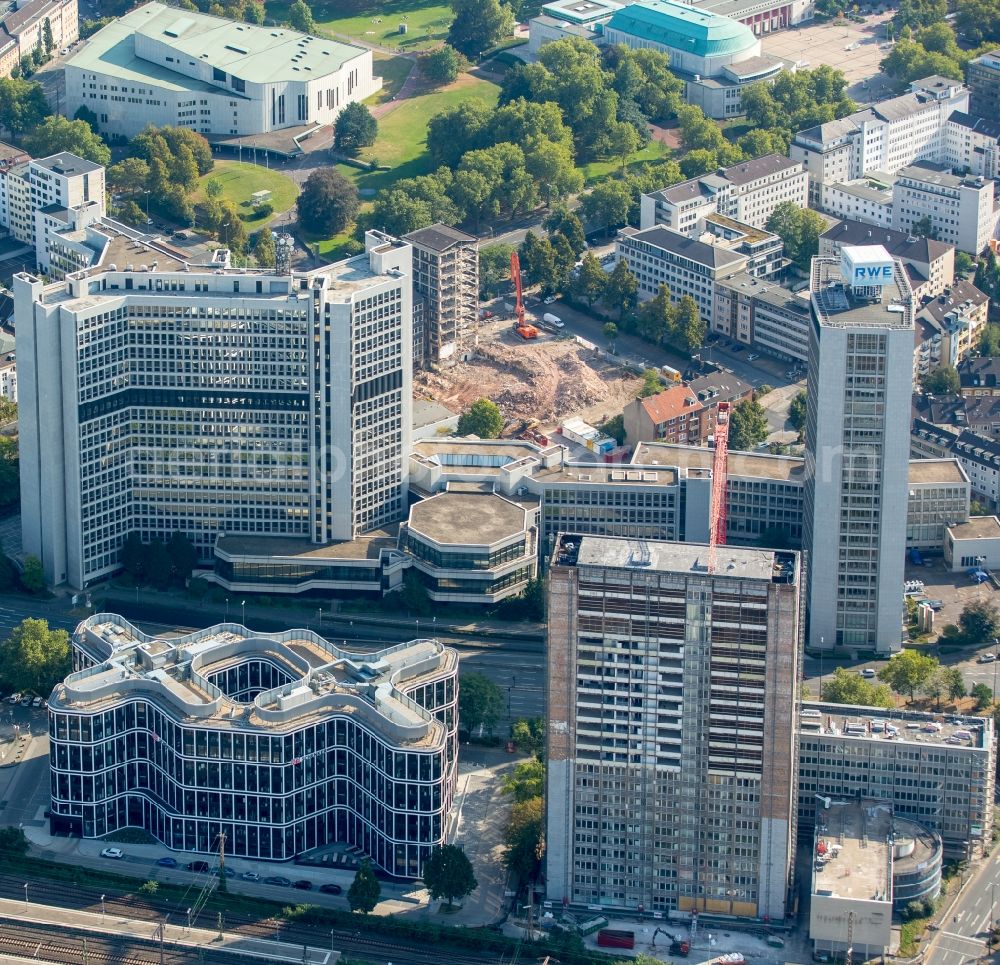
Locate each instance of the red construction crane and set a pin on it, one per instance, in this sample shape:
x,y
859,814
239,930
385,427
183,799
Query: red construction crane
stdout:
x,y
520,326
720,466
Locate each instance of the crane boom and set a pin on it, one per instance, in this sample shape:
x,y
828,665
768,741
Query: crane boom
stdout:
x,y
720,468
515,276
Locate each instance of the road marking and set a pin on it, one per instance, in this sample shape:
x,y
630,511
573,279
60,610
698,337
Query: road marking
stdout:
x,y
965,938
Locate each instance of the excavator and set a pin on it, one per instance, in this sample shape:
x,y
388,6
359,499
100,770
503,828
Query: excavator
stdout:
x,y
522,328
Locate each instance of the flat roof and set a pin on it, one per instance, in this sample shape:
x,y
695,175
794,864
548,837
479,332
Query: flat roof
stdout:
x,y
66,164
936,471
976,527
583,474
838,305
752,464
649,555
856,858
459,452
467,519
678,244
368,546
896,725
439,237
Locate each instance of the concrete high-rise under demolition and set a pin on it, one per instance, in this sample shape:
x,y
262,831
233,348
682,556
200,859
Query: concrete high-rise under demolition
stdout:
x,y
671,703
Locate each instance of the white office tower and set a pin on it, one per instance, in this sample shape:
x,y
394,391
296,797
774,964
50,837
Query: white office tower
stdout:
x,y
671,706
857,439
211,401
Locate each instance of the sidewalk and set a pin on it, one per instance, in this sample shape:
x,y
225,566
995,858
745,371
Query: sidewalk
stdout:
x,y
174,936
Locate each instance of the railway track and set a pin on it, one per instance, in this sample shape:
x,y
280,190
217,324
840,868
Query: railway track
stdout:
x,y
352,943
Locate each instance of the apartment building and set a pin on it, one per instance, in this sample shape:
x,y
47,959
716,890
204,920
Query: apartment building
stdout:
x,y
162,397
160,65
884,137
8,377
747,192
23,29
973,143
667,416
929,264
933,770
962,210
859,388
660,256
983,77
670,747
446,278
948,327
11,158
280,742
977,454
761,314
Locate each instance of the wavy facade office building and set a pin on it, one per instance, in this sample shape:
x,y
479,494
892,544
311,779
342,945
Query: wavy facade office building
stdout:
x,y
282,742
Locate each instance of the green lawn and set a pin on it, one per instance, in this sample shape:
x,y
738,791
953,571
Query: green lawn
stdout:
x,y
596,171
239,181
393,71
377,21
402,133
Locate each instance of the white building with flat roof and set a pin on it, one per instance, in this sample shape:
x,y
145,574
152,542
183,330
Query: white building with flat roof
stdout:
x,y
165,66
158,397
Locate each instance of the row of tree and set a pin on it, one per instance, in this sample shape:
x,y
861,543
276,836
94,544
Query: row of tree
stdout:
x,y
157,563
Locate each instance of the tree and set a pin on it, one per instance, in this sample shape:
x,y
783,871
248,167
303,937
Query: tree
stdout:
x,y
847,687
590,280
494,267
690,327
989,341
964,264
300,17
983,695
797,411
441,66
32,574
365,890
480,703
920,13
908,671
624,141
924,228
213,188
979,622
354,129
483,419
264,252
943,380
607,205
131,175
232,230
13,842
34,657
479,25
328,202
651,384
529,737
158,565
84,113
524,837
528,778
414,593
978,21
799,229
183,556
47,38
952,682
452,132
562,221
132,557
747,425
57,133
621,290
448,873
610,330
416,202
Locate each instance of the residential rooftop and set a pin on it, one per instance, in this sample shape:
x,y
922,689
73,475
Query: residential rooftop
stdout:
x,y
670,403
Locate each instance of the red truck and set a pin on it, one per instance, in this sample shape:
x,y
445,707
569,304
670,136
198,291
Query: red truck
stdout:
x,y
615,938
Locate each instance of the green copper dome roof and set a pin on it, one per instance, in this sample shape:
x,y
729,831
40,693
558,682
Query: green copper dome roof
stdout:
x,y
683,27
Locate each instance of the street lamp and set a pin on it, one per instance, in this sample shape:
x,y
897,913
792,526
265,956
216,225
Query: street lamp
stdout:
x,y
146,192
243,610
227,609
26,896
102,909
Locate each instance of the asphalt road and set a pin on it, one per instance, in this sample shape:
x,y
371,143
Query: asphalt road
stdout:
x,y
962,936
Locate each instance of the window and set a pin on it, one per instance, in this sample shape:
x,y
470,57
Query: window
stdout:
x,y
218,74
239,85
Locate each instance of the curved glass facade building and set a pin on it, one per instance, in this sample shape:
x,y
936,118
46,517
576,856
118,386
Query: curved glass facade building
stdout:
x,y
282,742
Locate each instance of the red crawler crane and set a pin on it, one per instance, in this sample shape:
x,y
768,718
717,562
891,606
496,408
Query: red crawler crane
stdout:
x,y
720,465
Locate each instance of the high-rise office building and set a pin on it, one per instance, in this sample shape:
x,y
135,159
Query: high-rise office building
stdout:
x,y
211,401
983,75
446,277
671,702
859,389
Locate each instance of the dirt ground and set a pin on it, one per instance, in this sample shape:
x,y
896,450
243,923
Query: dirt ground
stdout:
x,y
548,380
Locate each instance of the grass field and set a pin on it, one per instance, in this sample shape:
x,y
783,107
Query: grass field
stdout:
x,y
402,133
598,170
240,181
377,21
393,71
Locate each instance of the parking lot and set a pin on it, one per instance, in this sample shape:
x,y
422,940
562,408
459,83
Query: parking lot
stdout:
x,y
827,43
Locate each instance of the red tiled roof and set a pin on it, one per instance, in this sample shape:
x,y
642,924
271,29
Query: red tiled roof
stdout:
x,y
670,403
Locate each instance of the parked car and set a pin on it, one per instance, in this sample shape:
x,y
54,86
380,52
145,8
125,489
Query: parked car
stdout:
x,y
986,658
277,880
198,866
226,872
752,357
303,885
549,300
250,876
112,853
14,698
868,673
331,889
26,700
37,702
167,862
